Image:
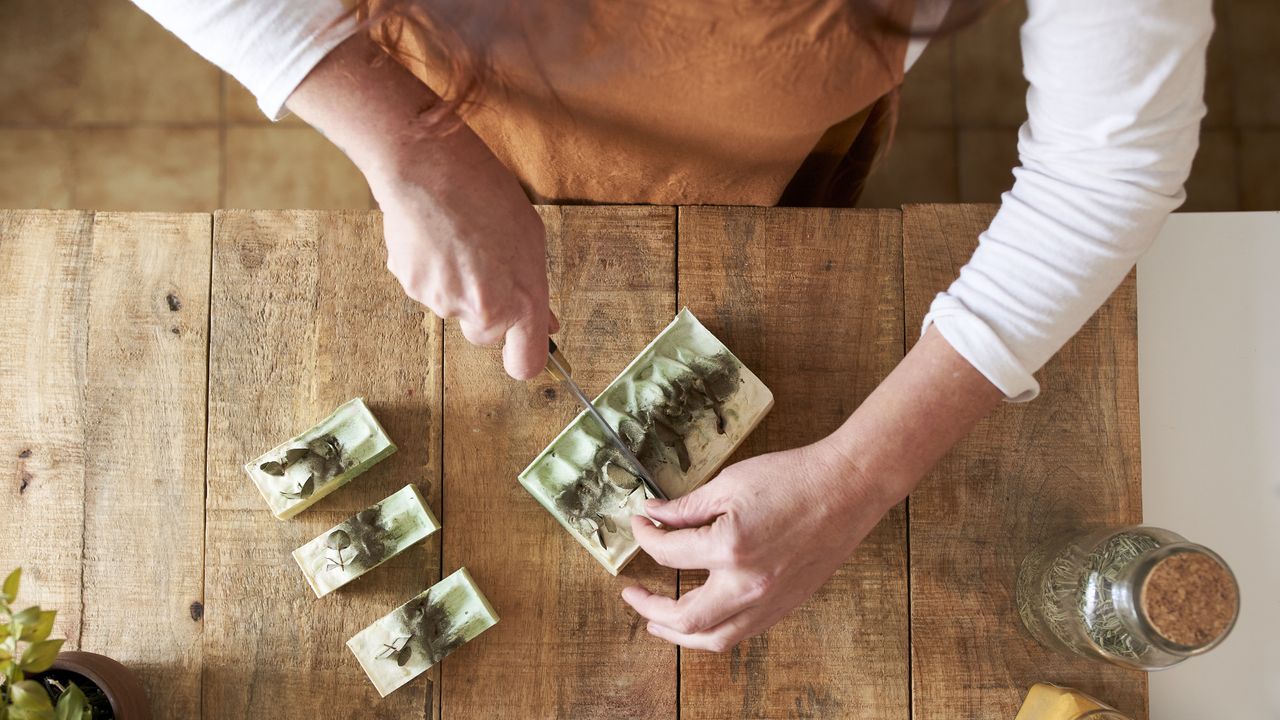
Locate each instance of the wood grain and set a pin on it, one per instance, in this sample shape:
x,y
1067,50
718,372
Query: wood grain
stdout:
x,y
103,428
1069,458
305,316
567,646
144,451
102,411
811,300
44,300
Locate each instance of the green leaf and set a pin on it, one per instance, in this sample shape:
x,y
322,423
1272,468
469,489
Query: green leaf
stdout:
x,y
30,695
293,455
29,616
17,714
39,656
40,629
72,704
272,468
10,592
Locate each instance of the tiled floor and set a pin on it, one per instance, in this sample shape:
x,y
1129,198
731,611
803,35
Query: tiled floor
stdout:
x,y
101,108
962,105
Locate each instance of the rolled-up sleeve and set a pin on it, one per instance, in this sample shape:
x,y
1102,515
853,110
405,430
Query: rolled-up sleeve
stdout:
x,y
268,45
1114,108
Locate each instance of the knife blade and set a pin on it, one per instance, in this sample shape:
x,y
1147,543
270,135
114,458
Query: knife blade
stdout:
x,y
560,370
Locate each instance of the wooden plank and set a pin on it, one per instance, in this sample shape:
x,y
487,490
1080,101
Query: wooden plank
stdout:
x,y
44,283
304,317
1069,458
567,646
144,451
811,300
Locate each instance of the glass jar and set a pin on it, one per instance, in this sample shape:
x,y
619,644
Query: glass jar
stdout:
x,y
1138,597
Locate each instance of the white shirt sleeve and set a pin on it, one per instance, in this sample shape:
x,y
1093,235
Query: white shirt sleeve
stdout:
x,y
1114,110
268,45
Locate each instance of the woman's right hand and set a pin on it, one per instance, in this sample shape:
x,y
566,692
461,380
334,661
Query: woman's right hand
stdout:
x,y
461,236
463,240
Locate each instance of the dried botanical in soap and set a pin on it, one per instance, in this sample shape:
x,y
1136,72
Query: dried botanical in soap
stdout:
x,y
413,637
301,471
429,633
589,501
365,540
681,406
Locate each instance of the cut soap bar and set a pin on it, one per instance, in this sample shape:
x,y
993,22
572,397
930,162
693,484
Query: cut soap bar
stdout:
x,y
682,405
365,540
418,634
296,474
1050,702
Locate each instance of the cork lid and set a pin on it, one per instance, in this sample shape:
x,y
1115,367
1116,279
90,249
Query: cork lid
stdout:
x,y
1190,599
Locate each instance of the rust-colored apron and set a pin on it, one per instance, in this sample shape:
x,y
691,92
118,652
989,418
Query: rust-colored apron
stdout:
x,y
727,102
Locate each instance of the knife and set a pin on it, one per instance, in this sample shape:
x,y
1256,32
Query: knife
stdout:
x,y
560,370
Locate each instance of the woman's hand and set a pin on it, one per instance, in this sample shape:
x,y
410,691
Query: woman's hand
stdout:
x,y
771,529
461,236
463,240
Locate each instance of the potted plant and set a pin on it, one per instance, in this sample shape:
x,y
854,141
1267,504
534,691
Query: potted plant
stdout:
x,y
39,682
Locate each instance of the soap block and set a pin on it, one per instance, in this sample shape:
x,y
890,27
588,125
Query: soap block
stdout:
x,y
1050,702
296,474
413,637
365,540
682,406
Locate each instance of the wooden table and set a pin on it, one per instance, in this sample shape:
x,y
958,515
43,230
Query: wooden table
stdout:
x,y
145,357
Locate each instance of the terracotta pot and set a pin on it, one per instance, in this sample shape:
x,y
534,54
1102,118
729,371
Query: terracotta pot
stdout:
x,y
117,682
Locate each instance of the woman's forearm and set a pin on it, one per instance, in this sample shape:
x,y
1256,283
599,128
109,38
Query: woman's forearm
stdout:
x,y
372,108
461,236
930,400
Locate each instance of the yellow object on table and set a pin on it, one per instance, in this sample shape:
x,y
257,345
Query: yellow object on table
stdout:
x,y
1050,702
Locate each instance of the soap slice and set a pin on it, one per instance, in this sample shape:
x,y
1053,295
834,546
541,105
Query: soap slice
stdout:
x,y
296,474
365,540
413,637
1050,702
683,405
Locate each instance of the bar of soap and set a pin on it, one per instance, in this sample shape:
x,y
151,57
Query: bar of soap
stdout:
x,y
365,540
413,637
1050,702
682,405
296,474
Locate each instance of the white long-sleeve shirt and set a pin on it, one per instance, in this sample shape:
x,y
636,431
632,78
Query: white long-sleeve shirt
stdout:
x,y
1114,107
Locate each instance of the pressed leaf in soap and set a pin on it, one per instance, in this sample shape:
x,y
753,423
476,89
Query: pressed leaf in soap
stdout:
x,y
365,540
682,406
299,472
413,637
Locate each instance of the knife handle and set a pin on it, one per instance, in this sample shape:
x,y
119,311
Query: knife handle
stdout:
x,y
554,352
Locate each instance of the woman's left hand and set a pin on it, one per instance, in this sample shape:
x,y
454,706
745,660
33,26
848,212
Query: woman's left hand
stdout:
x,y
771,530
